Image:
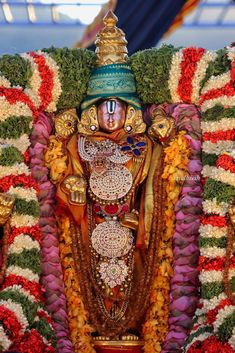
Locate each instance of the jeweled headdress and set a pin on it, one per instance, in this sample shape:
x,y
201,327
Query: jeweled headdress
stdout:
x,y
112,77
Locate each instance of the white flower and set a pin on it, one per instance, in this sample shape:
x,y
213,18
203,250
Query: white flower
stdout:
x,y
18,312
4,82
29,194
222,315
209,231
17,109
222,100
219,174
210,304
199,74
174,76
22,143
218,147
214,207
213,126
35,81
23,242
21,290
212,252
16,169
24,272
21,220
211,276
4,340
216,82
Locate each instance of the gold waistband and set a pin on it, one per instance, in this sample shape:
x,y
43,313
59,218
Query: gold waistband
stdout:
x,y
119,343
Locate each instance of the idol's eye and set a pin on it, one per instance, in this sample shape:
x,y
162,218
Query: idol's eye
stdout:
x,y
161,126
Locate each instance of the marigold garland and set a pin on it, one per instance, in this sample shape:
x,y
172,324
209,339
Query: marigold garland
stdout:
x,y
80,330
175,171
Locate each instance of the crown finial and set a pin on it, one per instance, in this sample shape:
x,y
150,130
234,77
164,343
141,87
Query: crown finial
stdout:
x,y
110,20
111,43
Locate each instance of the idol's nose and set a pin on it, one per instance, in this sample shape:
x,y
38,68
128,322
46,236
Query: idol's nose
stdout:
x,y
111,118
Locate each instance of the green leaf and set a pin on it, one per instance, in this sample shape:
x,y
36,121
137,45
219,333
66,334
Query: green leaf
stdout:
x,y
10,156
15,126
151,70
16,69
75,67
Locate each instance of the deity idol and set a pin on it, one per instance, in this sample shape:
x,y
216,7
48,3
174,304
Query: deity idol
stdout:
x,y
110,190
106,191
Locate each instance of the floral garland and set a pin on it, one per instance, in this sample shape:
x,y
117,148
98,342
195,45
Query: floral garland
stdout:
x,y
23,322
214,320
80,330
184,284
45,86
175,169
52,276
187,70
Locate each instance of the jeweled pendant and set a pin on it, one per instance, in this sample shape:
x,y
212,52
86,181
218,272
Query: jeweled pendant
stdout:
x,y
113,184
111,240
114,272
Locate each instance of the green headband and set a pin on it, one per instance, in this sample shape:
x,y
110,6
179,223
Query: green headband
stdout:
x,y
112,81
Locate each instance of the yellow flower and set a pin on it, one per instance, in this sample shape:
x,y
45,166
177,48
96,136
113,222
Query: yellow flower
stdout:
x,y
175,172
55,159
80,331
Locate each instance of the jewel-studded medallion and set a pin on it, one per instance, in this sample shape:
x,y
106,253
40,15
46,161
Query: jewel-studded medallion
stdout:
x,y
113,184
112,240
113,272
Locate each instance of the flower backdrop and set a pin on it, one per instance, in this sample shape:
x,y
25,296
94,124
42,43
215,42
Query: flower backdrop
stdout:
x,y
33,311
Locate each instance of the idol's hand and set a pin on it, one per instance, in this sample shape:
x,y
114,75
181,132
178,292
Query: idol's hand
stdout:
x,y
75,187
130,220
6,206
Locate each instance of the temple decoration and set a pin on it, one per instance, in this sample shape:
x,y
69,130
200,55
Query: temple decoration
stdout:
x,y
6,206
107,218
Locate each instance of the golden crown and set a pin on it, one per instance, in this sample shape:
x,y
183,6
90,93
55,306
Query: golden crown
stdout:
x,y
111,43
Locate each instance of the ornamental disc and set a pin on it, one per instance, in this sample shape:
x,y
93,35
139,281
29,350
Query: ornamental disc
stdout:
x,y
114,272
113,184
112,240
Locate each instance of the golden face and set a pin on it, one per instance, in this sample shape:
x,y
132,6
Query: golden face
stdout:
x,y
111,115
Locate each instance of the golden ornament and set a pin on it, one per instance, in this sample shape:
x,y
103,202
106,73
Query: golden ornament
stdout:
x,y
111,43
66,123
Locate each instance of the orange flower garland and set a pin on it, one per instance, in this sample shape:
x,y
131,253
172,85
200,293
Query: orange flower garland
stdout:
x,y
80,330
175,171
